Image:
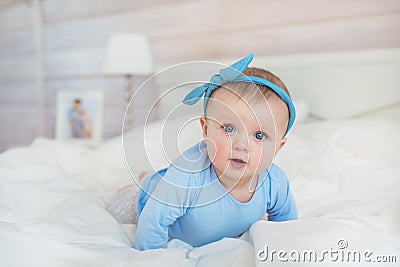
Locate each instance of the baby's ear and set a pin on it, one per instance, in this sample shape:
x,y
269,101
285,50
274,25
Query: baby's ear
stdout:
x,y
203,123
280,145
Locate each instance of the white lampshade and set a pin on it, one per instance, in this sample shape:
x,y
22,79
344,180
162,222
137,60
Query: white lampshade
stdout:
x,y
128,54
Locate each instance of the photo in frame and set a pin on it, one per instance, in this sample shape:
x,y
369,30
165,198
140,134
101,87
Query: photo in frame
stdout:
x,y
79,116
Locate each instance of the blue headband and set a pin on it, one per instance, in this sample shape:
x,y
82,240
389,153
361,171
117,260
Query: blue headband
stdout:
x,y
234,73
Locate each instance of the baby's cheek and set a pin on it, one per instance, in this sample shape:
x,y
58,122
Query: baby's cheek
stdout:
x,y
211,148
216,148
266,156
223,147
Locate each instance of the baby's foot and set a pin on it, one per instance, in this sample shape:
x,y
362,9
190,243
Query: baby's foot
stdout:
x,y
142,175
123,204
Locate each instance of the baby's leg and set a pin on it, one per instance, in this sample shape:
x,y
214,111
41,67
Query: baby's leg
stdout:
x,y
123,204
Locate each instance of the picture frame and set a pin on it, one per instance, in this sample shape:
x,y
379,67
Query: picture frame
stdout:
x,y
79,117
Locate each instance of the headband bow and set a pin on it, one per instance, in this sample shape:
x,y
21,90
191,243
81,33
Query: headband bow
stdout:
x,y
234,73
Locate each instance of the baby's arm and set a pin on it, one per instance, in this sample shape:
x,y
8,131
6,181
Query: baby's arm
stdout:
x,y
153,223
282,206
166,204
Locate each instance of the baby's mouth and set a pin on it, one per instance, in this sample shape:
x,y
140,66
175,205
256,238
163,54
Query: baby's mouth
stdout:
x,y
238,160
238,163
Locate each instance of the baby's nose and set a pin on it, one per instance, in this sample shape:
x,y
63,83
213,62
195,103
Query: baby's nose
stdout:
x,y
241,144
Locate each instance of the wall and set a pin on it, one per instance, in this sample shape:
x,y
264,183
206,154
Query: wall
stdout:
x,y
75,34
334,85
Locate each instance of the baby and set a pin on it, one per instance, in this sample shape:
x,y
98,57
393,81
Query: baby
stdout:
x,y
222,185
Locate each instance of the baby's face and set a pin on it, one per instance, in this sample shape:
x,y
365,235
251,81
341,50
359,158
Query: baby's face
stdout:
x,y
242,138
76,106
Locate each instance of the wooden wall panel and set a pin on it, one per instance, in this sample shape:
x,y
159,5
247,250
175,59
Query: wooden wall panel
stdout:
x,y
79,62
21,92
7,3
17,68
358,33
193,17
203,19
198,18
57,10
18,125
76,33
113,88
16,16
14,43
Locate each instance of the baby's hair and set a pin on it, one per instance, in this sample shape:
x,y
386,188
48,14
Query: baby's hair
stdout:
x,y
249,90
266,75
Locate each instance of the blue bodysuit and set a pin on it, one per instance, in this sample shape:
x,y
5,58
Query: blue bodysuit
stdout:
x,y
186,201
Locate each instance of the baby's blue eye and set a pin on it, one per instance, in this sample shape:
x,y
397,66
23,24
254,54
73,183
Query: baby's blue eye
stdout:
x,y
259,136
229,128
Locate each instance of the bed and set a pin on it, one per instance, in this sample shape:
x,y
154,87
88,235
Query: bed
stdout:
x,y
344,174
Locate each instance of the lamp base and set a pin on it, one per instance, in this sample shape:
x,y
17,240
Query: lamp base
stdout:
x,y
128,125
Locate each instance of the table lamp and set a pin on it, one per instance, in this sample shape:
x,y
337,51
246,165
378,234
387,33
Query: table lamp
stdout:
x,y
128,54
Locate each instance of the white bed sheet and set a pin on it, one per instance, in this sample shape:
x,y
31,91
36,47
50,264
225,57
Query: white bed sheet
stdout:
x,y
344,175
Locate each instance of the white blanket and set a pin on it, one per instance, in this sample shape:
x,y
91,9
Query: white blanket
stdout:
x,y
344,175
